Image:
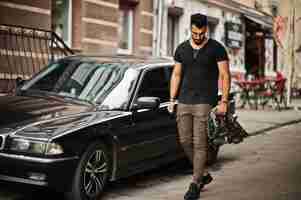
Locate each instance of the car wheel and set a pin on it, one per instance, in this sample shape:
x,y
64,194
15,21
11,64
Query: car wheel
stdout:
x,y
92,174
212,155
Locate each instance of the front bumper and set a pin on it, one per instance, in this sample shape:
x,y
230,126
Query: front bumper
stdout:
x,y
56,173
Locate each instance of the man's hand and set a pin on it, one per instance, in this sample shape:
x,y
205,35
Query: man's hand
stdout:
x,y
171,107
222,108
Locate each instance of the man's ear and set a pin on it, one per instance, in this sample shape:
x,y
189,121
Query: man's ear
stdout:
x,y
207,32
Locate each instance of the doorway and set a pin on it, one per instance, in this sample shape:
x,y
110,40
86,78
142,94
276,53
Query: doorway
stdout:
x,y
254,48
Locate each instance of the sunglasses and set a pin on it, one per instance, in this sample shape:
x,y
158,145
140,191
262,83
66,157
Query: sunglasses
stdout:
x,y
198,34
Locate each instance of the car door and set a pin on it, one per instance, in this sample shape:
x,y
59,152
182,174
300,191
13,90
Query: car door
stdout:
x,y
153,132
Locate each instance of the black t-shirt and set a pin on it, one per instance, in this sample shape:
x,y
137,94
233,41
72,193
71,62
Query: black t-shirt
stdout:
x,y
199,83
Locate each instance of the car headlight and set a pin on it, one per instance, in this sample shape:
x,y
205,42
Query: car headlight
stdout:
x,y
29,146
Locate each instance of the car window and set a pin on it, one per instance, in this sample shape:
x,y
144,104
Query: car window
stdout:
x,y
47,83
155,83
109,84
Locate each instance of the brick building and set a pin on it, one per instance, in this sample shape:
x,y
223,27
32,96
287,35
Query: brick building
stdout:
x,y
98,26
85,26
148,27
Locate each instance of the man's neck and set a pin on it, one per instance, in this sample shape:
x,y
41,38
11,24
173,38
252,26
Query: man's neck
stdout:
x,y
195,46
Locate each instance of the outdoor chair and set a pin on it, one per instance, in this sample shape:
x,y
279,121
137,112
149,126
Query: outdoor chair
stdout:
x,y
274,92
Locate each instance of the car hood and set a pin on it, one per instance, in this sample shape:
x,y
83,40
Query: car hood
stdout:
x,y
45,118
18,110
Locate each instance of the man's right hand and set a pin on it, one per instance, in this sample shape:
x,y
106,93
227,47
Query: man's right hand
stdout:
x,y
171,107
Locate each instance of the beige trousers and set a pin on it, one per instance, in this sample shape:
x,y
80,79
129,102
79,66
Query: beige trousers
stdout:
x,y
192,128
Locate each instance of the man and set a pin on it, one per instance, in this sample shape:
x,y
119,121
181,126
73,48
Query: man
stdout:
x,y
200,62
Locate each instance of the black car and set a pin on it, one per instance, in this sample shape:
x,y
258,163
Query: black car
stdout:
x,y
84,121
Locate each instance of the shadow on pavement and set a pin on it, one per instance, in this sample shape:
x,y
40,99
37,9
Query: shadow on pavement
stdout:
x,y
163,174
223,160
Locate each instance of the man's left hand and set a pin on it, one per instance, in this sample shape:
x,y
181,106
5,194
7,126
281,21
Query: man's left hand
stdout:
x,y
222,108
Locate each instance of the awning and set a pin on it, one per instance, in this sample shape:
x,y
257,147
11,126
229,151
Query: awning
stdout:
x,y
262,22
250,13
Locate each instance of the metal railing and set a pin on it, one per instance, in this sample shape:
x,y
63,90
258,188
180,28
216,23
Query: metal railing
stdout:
x,y
24,51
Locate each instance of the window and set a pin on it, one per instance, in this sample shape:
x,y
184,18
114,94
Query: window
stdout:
x,y
211,30
125,31
172,39
110,85
155,83
269,54
61,19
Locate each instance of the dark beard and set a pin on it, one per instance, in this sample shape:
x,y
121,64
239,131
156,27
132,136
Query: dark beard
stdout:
x,y
198,42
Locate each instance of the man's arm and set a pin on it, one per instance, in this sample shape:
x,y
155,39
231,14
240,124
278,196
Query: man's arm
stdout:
x,y
175,81
223,67
174,85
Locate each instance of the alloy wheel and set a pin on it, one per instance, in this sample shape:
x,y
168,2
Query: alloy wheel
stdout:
x,y
95,173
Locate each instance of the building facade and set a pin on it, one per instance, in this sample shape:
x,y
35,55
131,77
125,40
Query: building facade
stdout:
x,y
85,26
152,27
244,31
90,26
290,39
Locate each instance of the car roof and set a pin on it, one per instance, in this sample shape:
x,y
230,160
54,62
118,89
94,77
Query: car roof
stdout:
x,y
136,61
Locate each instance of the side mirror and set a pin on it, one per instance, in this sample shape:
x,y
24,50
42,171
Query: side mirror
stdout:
x,y
147,103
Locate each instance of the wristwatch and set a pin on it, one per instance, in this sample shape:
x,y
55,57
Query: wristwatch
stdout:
x,y
172,99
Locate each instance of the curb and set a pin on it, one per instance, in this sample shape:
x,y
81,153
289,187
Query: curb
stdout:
x,y
274,127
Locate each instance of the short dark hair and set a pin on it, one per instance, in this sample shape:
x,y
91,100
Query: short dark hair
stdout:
x,y
198,20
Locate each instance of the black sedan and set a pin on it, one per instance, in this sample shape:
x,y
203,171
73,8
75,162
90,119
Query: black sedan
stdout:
x,y
84,121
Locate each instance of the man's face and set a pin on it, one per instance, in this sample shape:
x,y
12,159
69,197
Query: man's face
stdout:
x,y
198,35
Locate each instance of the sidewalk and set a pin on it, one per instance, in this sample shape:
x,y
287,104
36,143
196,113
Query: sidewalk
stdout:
x,y
266,163
258,121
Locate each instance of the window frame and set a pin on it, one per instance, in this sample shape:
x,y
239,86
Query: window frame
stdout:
x,y
68,42
269,69
172,33
130,38
141,78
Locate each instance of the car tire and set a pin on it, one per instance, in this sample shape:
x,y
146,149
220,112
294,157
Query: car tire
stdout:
x,y
212,154
92,173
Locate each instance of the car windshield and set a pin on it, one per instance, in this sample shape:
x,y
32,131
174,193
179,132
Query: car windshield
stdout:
x,y
107,84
